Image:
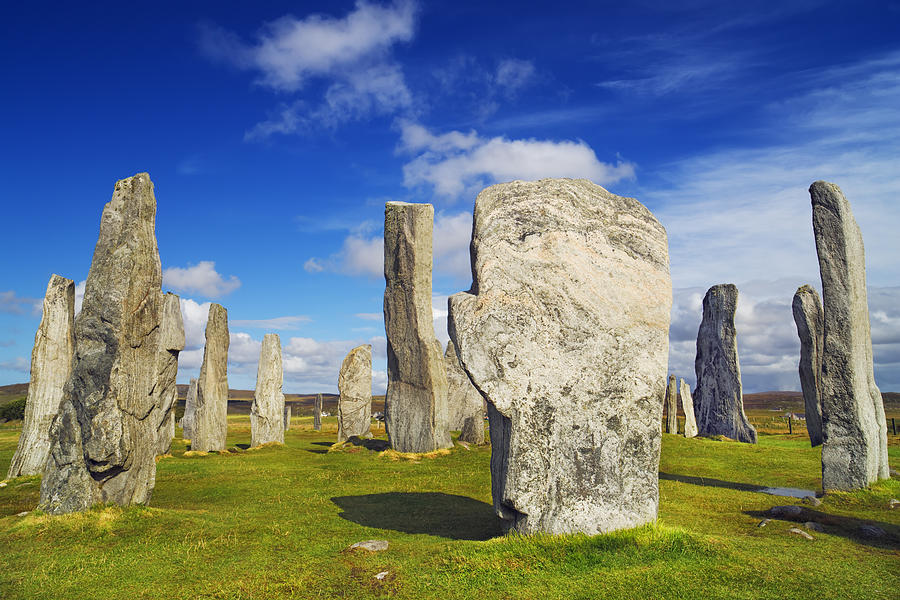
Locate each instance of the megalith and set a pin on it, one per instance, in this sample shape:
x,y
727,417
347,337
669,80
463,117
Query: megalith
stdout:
x,y
355,388
190,410
807,309
103,441
565,332
671,406
210,424
464,401
51,363
317,413
171,343
687,404
287,417
719,399
854,446
415,405
267,422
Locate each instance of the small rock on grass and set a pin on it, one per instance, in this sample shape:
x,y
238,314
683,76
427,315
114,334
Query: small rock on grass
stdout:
x,y
463,444
370,545
381,575
764,522
22,514
895,473
812,501
792,510
801,533
3,484
892,503
813,526
871,531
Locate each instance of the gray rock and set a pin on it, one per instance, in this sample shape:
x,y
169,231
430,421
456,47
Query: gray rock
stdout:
x,y
472,431
355,387
210,424
415,406
718,399
671,405
465,403
811,500
51,363
287,417
371,545
764,522
23,513
317,413
893,503
171,343
190,410
791,511
565,333
854,448
103,441
267,412
687,404
808,316
800,533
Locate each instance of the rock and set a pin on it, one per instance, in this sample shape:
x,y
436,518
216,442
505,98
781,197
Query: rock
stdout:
x,y
51,363
807,310
811,500
718,399
671,405
287,417
893,503
813,526
415,406
764,522
565,333
104,439
872,531
317,413
687,404
854,448
381,575
894,473
355,387
464,400
171,343
267,412
3,484
801,533
371,545
210,424
190,410
790,511
22,514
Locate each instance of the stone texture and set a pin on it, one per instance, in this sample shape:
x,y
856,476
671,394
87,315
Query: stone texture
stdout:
x,y
287,417
415,405
808,316
317,413
371,545
854,447
190,410
464,401
687,404
355,387
565,332
104,438
171,343
210,424
671,405
267,413
51,363
718,399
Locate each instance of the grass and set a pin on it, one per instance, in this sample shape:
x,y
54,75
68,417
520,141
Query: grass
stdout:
x,y
277,523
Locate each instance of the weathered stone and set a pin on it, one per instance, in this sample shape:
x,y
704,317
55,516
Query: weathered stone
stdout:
x,y
171,343
807,309
466,406
811,500
317,413
287,417
671,404
190,410
210,424
565,332
355,387
719,400
415,405
854,429
371,545
51,363
267,423
687,404
103,441
800,533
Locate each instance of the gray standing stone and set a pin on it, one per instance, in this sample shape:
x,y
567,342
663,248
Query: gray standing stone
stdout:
x,y
415,405
355,387
190,410
671,406
103,441
287,417
854,448
807,309
51,363
565,332
171,343
719,400
268,410
317,413
687,404
466,406
210,425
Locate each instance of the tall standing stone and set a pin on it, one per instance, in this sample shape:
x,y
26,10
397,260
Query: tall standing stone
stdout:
x,y
103,446
566,332
317,413
807,309
464,400
190,411
355,387
171,343
51,363
415,406
687,404
854,448
268,409
671,406
719,400
287,417
210,424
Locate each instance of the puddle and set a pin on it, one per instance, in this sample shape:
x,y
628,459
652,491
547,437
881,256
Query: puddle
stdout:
x,y
786,491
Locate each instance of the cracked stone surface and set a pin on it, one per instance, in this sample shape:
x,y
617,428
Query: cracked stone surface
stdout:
x,y
267,412
171,343
211,410
687,404
808,316
355,387
464,400
317,413
671,402
190,409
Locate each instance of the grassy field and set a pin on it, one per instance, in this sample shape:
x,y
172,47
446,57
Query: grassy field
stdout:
x,y
277,522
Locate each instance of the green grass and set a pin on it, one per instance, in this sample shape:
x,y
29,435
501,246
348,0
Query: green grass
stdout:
x,y
277,523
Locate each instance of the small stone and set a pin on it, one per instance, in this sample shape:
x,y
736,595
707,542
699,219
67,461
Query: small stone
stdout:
x,y
792,510
381,575
812,501
463,444
22,514
893,503
371,545
3,485
872,531
894,473
813,526
764,522
801,533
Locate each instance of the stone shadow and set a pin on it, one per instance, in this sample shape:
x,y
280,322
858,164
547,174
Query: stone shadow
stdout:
x,y
858,530
369,444
433,513
734,485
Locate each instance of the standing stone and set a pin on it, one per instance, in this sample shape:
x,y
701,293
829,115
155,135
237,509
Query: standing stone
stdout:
x,y
671,406
854,448
51,363
808,316
687,404
103,441
171,343
268,410
355,387
464,400
719,400
287,417
190,411
210,424
317,413
415,406
566,332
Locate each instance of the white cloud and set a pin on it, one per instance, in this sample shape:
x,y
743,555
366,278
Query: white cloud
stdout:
x,y
370,316
360,254
16,305
452,234
79,295
276,324
18,364
513,74
201,278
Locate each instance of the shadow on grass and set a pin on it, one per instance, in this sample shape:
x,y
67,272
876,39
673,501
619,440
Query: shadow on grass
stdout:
x,y
848,527
322,443
734,485
369,444
242,446
432,513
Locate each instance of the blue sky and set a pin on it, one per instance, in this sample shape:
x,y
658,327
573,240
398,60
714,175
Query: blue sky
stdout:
x,y
275,132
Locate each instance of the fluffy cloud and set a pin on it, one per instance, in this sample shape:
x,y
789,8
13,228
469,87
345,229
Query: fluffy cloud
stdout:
x,y
13,304
79,295
18,364
513,74
276,324
201,278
